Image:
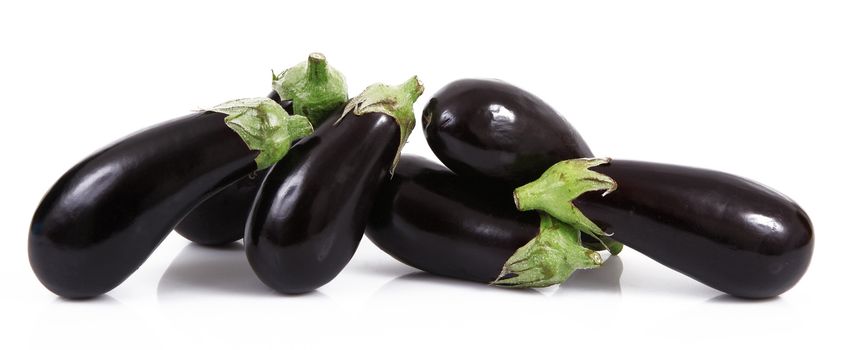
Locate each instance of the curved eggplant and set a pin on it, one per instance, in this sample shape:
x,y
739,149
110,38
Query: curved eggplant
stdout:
x,y
318,89
493,130
432,219
311,211
725,231
106,215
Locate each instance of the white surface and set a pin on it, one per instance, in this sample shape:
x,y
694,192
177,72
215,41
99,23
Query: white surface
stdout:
x,y
753,88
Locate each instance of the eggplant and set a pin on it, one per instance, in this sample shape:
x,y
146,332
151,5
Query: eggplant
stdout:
x,y
730,233
312,89
311,211
724,231
428,217
104,217
490,129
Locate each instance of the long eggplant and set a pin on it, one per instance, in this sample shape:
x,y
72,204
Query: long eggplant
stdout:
x,y
104,217
312,89
311,211
490,129
725,231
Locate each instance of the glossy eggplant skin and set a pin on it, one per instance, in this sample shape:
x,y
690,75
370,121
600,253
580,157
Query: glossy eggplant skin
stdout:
x,y
725,231
221,218
312,209
491,129
434,220
287,105
107,214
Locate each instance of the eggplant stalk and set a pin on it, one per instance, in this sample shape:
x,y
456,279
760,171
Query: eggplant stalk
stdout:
x,y
315,88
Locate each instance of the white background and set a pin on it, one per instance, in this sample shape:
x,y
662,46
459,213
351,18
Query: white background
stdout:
x,y
753,88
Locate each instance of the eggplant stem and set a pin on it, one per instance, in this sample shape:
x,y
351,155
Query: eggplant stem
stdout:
x,y
316,89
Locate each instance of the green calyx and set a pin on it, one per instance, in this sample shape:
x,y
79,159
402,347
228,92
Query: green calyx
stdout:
x,y
264,126
557,251
396,101
315,88
549,258
559,185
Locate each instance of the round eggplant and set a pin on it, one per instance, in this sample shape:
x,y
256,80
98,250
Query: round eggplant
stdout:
x,y
432,219
725,231
493,130
106,215
318,89
311,211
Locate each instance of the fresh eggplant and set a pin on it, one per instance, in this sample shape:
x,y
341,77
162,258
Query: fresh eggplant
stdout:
x,y
312,208
106,215
312,89
432,219
493,130
725,231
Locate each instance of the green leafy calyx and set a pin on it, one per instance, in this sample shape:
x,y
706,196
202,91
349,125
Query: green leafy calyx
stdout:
x,y
316,88
264,126
557,251
396,101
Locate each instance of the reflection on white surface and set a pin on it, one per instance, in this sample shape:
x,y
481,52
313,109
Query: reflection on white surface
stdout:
x,y
203,270
605,278
730,299
419,279
209,298
91,323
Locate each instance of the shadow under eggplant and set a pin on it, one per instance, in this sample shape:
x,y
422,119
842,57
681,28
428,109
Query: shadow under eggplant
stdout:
x,y
214,270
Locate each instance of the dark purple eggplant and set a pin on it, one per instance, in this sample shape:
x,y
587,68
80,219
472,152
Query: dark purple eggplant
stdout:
x,y
106,215
725,231
311,211
432,219
493,130
318,89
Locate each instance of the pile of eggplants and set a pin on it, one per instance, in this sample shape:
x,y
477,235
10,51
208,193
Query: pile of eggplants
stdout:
x,y
303,174
725,231
208,174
